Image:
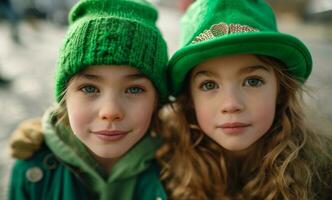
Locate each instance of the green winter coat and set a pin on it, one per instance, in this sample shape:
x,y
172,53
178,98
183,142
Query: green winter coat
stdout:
x,y
63,169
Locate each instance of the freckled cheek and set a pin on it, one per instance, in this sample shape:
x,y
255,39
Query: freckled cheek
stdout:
x,y
266,114
78,116
144,122
140,115
204,116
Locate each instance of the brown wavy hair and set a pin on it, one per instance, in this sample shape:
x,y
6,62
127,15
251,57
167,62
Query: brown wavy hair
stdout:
x,y
286,163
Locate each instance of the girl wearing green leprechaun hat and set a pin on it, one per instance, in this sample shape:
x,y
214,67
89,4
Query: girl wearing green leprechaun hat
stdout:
x,y
237,128
110,83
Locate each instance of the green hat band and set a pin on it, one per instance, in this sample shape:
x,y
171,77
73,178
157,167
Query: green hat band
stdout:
x,y
107,32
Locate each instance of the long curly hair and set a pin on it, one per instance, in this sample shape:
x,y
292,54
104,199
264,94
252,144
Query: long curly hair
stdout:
x,y
283,164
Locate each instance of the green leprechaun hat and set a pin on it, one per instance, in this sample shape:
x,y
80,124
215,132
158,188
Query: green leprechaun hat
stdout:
x,y
225,27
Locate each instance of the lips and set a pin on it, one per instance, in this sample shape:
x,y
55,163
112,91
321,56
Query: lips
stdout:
x,y
110,135
233,127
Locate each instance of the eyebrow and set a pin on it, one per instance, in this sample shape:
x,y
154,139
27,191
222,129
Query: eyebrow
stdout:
x,y
244,70
203,73
253,68
134,76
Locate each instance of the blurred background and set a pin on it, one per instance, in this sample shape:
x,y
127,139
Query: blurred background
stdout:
x,y
31,32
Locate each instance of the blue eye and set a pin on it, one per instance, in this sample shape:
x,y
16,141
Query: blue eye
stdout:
x,y
134,90
253,82
89,89
208,85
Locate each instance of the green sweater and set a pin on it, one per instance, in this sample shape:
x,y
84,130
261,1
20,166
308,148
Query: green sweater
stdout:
x,y
63,169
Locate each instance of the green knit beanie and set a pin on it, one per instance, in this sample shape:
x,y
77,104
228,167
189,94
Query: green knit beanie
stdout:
x,y
113,32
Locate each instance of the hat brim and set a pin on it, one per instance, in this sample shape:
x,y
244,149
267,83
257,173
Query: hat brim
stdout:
x,y
286,48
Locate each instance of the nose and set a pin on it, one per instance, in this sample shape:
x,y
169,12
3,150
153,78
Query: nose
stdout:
x,y
232,100
111,110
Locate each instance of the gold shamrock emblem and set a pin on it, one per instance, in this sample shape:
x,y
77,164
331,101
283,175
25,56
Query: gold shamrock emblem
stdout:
x,y
221,29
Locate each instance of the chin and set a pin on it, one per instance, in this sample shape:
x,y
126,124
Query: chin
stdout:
x,y
242,150
109,153
113,155
235,147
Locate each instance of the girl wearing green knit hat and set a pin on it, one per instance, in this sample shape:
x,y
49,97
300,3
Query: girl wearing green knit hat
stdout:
x,y
238,120
100,139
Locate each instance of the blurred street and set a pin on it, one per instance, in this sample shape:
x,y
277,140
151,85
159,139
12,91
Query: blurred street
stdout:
x,y
30,67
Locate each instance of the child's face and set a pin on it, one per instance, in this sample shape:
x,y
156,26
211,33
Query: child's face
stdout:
x,y
110,108
234,99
